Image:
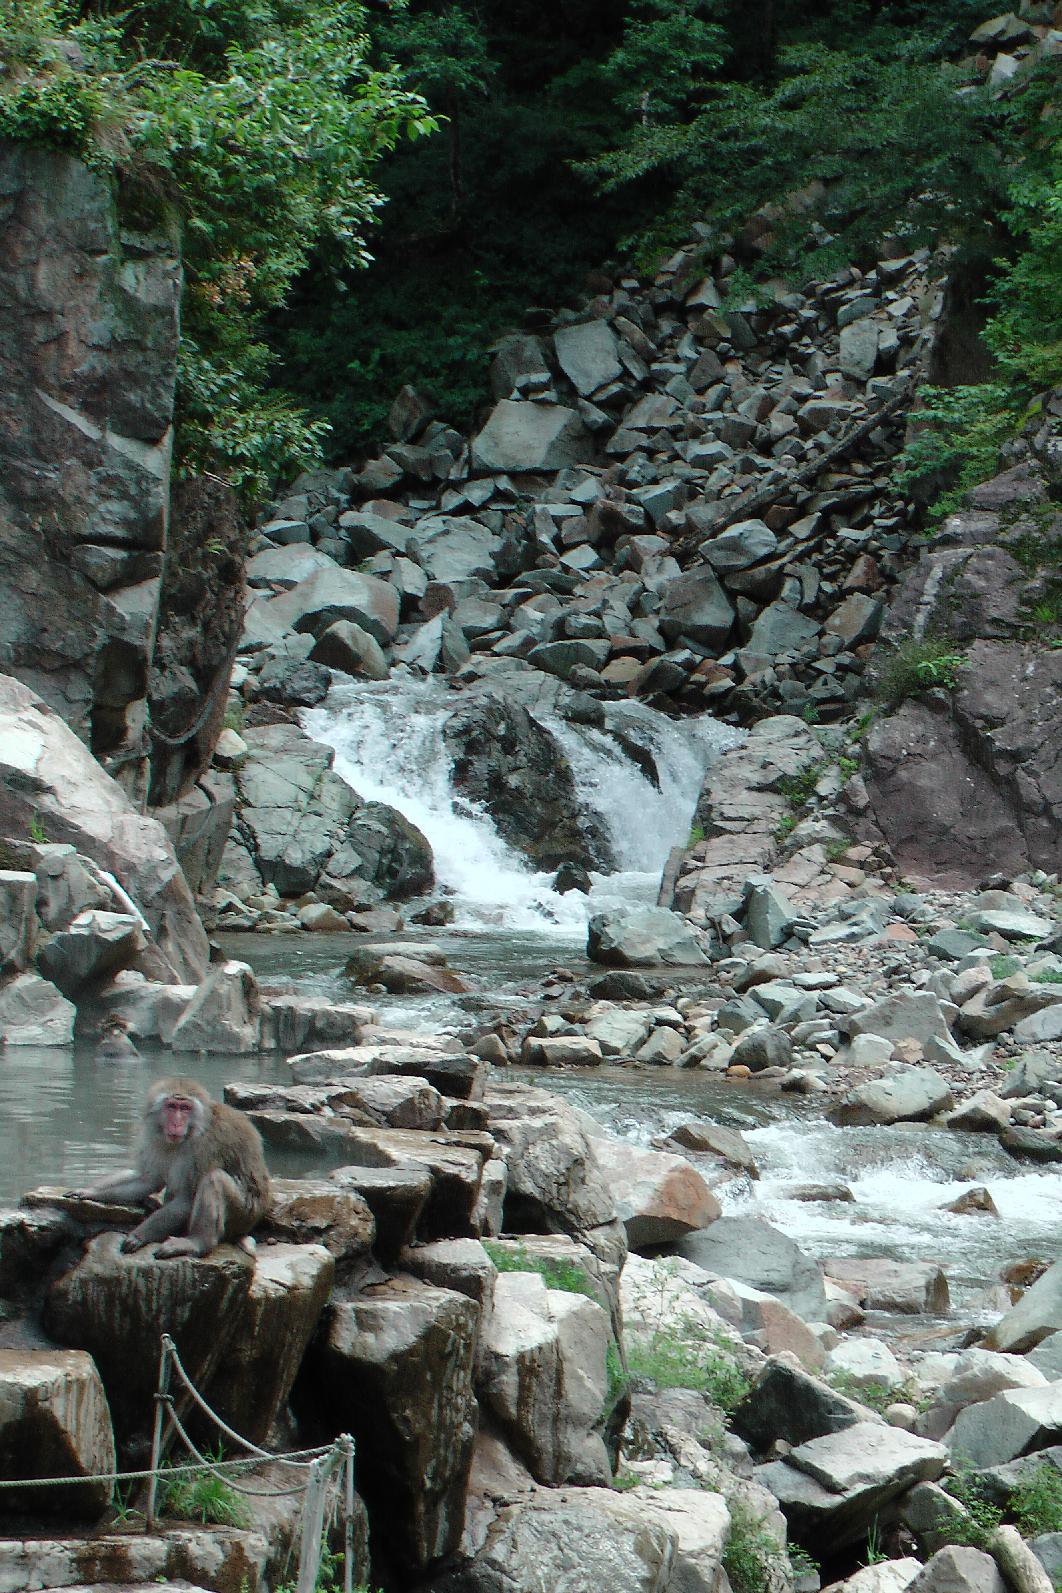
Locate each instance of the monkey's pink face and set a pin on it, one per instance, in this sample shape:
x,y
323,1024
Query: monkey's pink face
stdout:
x,y
176,1116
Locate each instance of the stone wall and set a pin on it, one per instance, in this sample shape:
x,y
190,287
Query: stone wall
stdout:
x,y
88,346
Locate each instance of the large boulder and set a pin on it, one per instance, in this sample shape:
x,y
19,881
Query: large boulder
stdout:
x,y
643,937
394,1367
1034,1317
305,827
335,594
505,761
588,354
521,436
225,1014
658,1197
32,1012
54,1422
555,1183
541,1373
694,605
115,1306
88,361
19,925
752,1251
95,946
278,1317
49,780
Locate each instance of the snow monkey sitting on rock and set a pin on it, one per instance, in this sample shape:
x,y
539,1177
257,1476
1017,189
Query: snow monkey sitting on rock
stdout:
x,y
208,1161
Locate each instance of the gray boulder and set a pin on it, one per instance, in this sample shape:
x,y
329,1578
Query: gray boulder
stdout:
x,y
54,1422
32,1012
335,594
1007,1425
225,1014
19,925
643,937
588,354
521,436
696,606
1034,1317
50,779
95,946
959,1568
740,545
506,761
910,1096
751,1251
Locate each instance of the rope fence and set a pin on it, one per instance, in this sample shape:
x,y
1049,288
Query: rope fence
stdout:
x,y
326,1483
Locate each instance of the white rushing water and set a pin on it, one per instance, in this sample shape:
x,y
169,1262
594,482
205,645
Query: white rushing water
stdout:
x,y
389,746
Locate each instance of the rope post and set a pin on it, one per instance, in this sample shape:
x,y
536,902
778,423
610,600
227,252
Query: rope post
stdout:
x,y
347,1443
313,1516
161,1400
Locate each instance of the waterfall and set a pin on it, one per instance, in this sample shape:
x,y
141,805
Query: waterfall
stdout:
x,y
389,746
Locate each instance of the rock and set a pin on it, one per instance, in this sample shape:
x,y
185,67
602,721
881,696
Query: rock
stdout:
x,y
225,1014
619,1033
767,913
788,1403
32,1012
90,390
782,631
278,1316
764,1047
1036,1315
588,355
658,1197
294,682
1007,1425
19,926
115,1306
885,1576
640,1542
740,545
714,1139
905,1015
859,350
643,937
455,1168
396,1198
540,1371
395,1365
979,1374
95,946
404,975
959,1569
315,1213
521,436
910,1096
982,1113
856,620
1012,925
838,1483
555,1181
695,606
905,1287
54,1422
331,595
562,1051
750,1250
865,1364
381,852
47,777
350,648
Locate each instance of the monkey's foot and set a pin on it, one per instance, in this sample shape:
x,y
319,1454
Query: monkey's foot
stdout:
x,y
130,1243
170,1248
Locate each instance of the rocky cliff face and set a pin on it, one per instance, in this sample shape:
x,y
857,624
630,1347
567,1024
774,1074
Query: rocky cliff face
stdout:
x,y
88,346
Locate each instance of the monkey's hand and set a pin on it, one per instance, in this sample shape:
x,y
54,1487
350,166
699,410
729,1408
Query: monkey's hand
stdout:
x,y
132,1241
170,1248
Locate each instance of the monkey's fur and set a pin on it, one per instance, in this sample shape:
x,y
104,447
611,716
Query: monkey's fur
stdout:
x,y
211,1168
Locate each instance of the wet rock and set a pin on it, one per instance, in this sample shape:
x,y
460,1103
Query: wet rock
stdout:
x,y
505,761
330,595
395,1366
348,647
910,1096
403,975
315,1213
454,1167
54,1422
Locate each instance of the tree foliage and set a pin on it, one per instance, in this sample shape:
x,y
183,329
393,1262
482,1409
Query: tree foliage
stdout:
x,y
256,125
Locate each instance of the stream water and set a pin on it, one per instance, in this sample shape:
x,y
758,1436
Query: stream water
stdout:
x,y
69,1117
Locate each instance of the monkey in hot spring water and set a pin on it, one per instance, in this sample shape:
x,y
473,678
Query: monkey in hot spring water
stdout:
x,y
207,1161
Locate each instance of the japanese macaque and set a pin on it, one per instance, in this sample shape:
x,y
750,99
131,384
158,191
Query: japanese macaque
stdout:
x,y
208,1161
115,1044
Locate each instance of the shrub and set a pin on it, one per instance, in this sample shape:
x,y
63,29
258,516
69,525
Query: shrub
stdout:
x,y
1037,1503
669,1360
917,666
750,1554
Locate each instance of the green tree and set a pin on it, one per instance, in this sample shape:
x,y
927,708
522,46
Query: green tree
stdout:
x,y
256,126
